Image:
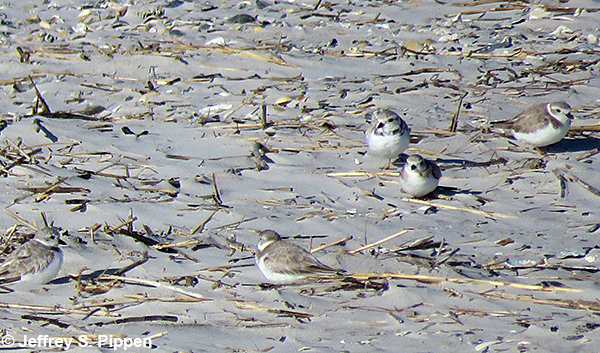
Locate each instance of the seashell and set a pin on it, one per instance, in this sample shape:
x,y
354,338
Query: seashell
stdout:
x,y
169,81
122,11
521,263
383,25
283,101
560,30
538,13
44,25
413,45
215,109
83,15
453,20
592,39
486,345
215,41
241,19
448,38
243,4
119,24
251,116
573,254
146,97
112,6
270,131
33,19
80,28
55,19
428,44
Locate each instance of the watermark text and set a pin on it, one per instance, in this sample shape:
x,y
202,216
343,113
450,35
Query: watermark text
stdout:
x,y
65,343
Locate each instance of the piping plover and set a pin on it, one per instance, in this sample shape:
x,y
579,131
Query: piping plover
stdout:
x,y
419,176
388,135
282,261
540,125
36,261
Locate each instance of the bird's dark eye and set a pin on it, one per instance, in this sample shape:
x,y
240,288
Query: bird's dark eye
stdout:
x,y
413,167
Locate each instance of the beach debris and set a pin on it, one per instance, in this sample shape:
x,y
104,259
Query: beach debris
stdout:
x,y
365,247
214,110
466,281
56,309
423,243
41,108
200,227
536,13
150,283
466,209
241,19
506,42
350,283
560,30
259,154
240,73
565,175
283,101
145,318
505,241
340,242
575,254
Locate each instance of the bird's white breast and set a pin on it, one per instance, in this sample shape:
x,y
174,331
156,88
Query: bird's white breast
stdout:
x,y
545,136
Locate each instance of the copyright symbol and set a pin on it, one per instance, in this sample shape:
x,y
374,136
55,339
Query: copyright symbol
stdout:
x,y
7,341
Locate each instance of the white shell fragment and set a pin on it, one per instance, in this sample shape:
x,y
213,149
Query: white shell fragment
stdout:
x,y
80,28
214,109
560,30
537,13
83,15
283,101
215,41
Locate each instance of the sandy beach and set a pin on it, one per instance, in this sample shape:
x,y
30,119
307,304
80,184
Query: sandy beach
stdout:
x,y
161,137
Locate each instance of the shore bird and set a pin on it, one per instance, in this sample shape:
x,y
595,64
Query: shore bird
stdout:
x,y
37,261
540,125
282,261
419,176
389,135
